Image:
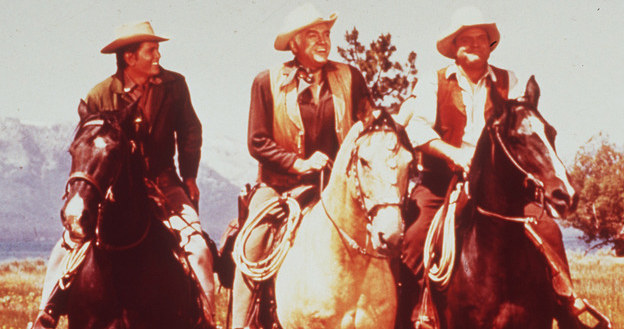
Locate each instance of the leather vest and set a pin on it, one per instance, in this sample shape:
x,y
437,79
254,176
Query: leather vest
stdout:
x,y
288,128
450,124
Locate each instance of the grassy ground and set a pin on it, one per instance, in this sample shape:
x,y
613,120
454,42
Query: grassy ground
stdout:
x,y
599,278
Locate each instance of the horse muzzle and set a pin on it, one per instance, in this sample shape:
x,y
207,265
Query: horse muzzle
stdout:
x,y
386,231
77,218
560,201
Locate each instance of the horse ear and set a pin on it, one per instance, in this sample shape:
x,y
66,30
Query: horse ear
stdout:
x,y
532,92
83,110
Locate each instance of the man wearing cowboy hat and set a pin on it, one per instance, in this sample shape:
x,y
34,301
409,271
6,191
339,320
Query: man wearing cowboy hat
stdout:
x,y
444,119
163,98
300,111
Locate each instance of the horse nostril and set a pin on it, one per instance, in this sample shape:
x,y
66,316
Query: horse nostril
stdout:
x,y
575,200
382,239
559,196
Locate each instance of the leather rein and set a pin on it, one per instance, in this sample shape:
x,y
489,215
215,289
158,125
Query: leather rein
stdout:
x,y
529,179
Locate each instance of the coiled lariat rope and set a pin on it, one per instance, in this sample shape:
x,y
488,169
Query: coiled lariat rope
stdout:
x,y
268,266
439,267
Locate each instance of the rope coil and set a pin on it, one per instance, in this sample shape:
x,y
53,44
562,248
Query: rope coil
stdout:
x,y
439,268
265,268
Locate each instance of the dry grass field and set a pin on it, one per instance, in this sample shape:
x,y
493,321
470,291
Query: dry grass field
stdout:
x,y
599,278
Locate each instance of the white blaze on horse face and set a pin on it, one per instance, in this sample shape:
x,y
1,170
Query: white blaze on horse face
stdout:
x,y
99,142
387,225
536,126
73,211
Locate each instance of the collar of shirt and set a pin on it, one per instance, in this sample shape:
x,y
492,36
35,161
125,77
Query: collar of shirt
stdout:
x,y
296,72
129,84
474,99
459,73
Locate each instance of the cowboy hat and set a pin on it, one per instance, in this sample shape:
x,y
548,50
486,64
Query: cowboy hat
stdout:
x,y
132,33
298,20
462,19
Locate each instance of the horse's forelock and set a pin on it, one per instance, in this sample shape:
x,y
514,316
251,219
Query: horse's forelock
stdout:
x,y
108,124
385,120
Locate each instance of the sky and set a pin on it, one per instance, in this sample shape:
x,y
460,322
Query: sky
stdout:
x,y
51,57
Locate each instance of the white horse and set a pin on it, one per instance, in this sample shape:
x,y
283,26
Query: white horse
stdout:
x,y
337,274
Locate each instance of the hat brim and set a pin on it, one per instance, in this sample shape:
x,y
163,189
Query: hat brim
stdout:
x,y
122,42
282,41
446,45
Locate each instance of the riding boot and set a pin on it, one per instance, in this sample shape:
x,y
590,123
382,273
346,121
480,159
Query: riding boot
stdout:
x,y
408,292
242,301
55,306
52,297
427,317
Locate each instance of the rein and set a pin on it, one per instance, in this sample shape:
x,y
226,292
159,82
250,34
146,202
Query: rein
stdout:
x,y
344,236
539,185
538,194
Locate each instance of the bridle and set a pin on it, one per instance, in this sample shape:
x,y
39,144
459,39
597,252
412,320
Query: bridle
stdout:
x,y
529,181
104,194
352,170
371,212
84,176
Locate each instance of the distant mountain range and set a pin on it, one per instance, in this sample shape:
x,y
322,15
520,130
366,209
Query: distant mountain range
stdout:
x,y
34,166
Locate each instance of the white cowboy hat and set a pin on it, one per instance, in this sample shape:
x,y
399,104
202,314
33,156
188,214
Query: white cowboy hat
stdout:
x,y
297,20
462,19
132,33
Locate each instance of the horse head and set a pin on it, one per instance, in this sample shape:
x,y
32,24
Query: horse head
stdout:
x,y
517,132
99,151
377,172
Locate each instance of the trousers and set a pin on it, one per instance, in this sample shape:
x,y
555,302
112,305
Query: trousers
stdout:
x,y
254,248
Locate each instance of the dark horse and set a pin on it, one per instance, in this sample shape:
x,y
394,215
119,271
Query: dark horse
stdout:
x,y
131,276
501,278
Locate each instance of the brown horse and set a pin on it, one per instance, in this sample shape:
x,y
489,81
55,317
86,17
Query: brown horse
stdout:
x,y
337,274
501,279
131,276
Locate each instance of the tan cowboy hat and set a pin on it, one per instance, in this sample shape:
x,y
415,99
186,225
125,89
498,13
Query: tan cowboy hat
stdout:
x,y
298,20
462,19
131,33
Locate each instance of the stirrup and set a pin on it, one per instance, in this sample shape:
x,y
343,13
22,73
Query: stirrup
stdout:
x,y
581,306
427,315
